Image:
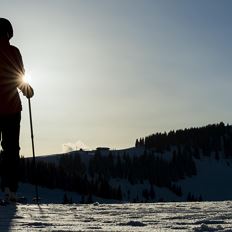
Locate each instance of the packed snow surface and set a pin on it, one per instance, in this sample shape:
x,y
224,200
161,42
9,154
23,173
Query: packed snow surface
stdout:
x,y
201,216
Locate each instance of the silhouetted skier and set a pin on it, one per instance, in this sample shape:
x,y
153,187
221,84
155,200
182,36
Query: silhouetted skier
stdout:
x,y
11,79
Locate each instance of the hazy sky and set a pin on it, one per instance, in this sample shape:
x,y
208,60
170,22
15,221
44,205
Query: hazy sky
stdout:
x,y
106,72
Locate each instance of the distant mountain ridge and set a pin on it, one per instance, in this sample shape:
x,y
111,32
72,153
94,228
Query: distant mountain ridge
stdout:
x,y
176,166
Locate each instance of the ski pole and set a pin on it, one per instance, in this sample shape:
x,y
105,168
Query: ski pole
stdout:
x,y
33,152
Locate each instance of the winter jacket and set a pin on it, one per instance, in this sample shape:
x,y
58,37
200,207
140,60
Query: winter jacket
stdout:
x,y
11,76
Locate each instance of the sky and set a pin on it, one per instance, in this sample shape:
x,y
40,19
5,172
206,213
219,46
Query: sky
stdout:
x,y
106,72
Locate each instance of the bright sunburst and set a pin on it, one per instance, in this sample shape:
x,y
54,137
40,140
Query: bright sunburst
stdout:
x,y
27,78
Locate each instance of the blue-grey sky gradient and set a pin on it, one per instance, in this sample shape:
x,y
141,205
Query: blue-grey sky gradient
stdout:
x,y
109,71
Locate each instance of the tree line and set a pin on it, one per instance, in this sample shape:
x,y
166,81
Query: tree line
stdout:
x,y
93,178
165,159
208,140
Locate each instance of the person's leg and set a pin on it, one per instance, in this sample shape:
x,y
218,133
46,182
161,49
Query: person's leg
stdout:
x,y
1,166
10,156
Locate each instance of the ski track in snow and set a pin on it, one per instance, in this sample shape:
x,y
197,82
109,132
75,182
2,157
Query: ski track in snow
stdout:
x,y
198,217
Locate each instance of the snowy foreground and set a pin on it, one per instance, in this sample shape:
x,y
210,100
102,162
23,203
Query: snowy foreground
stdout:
x,y
205,216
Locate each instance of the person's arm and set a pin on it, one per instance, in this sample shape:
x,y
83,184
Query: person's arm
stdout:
x,y
26,89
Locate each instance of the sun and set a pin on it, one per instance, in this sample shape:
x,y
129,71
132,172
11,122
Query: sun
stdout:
x,y
27,78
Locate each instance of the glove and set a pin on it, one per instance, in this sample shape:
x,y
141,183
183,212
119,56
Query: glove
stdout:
x,y
27,90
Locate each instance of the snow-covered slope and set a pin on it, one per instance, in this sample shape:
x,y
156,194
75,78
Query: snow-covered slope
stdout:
x,y
212,181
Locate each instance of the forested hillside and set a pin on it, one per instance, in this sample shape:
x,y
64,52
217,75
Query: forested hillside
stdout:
x,y
161,159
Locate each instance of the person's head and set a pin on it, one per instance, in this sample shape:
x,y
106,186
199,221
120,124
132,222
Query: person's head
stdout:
x,y
6,29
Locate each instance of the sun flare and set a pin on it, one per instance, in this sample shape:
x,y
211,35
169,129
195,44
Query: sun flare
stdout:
x,y
27,78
